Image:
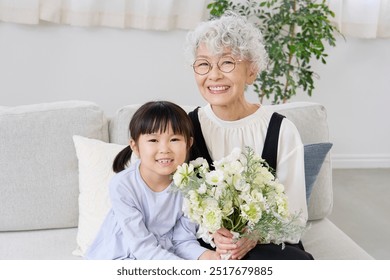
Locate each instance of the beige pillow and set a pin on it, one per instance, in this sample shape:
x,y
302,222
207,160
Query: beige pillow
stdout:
x,y
95,160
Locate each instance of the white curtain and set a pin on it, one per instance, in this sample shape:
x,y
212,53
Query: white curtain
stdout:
x,y
362,18
141,14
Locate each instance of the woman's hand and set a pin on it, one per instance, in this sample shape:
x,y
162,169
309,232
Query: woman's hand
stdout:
x,y
244,245
225,243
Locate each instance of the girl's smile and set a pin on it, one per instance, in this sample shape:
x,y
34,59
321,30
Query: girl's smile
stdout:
x,y
160,154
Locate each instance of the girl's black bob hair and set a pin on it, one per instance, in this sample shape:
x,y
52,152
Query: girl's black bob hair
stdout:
x,y
155,117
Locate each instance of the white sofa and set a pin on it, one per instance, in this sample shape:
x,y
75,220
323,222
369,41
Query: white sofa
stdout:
x,y
39,177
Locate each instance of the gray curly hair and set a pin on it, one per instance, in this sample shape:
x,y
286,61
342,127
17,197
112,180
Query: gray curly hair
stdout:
x,y
230,31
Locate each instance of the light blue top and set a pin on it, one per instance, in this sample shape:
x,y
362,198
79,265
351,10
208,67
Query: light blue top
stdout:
x,y
143,224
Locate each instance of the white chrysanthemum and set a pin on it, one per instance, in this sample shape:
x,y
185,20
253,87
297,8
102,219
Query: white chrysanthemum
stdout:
x,y
245,198
192,206
251,212
212,219
212,214
219,191
234,155
243,187
264,172
235,167
282,206
279,188
193,196
198,162
202,188
262,178
257,196
201,164
210,203
238,182
214,177
256,157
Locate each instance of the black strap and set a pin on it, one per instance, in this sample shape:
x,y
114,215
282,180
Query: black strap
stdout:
x,y
199,148
270,149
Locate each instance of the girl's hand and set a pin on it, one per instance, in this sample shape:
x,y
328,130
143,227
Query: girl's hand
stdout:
x,y
209,255
223,239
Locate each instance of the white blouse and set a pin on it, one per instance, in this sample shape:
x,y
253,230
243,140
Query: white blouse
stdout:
x,y
222,136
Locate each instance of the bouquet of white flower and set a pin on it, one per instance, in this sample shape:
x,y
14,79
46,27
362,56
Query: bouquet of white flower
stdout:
x,y
241,195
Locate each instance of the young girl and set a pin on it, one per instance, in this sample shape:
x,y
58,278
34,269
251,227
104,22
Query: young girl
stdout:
x,y
145,220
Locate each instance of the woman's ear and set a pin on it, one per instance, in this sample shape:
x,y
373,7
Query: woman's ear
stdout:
x,y
251,74
133,147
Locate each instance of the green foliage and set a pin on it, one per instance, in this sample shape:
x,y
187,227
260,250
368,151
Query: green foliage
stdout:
x,y
295,32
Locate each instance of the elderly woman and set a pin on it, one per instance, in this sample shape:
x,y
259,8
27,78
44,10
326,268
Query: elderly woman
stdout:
x,y
227,55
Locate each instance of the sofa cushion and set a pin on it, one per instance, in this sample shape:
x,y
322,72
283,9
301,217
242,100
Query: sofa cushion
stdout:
x,y
324,240
95,160
314,158
311,122
49,244
38,163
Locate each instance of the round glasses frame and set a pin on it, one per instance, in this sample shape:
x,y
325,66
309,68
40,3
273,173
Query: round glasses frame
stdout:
x,y
225,64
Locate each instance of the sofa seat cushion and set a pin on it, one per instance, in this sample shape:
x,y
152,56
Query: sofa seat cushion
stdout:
x,y
325,241
53,244
38,163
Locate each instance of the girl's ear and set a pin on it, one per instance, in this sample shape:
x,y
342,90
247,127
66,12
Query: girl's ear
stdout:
x,y
133,147
191,142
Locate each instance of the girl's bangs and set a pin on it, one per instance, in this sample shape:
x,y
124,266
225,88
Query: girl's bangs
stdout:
x,y
161,124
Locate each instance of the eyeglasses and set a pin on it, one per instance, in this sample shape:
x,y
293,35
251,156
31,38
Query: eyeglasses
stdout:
x,y
226,64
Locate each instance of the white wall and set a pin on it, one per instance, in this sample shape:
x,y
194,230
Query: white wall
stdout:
x,y
115,67
354,86
112,67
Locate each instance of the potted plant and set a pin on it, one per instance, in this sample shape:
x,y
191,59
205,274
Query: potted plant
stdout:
x,y
295,32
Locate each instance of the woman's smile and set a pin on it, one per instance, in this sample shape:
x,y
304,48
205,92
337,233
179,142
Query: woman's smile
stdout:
x,y
218,89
